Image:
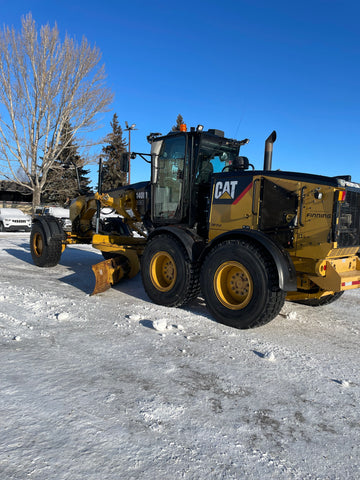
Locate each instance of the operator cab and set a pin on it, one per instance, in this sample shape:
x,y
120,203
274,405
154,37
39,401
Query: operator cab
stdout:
x,y
182,167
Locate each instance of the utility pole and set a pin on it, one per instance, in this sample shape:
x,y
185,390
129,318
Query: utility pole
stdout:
x,y
128,129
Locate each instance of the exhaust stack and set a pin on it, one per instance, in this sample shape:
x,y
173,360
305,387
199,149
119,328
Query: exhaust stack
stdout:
x,y
269,150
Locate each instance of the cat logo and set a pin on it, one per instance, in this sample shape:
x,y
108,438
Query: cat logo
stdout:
x,y
225,190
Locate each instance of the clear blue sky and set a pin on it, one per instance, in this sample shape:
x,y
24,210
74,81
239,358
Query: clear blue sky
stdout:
x,y
245,66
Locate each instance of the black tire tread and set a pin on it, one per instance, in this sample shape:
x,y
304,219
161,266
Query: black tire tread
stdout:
x,y
192,280
52,251
276,296
320,302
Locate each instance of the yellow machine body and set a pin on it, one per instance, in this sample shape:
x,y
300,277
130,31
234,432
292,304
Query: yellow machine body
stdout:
x,y
305,227
123,250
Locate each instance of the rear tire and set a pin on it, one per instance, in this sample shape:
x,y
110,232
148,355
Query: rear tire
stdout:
x,y
169,277
320,302
240,285
45,252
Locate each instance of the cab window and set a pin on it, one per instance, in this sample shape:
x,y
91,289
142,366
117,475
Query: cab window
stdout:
x,y
169,174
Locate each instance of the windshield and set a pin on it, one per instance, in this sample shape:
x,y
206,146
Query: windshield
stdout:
x,y
214,156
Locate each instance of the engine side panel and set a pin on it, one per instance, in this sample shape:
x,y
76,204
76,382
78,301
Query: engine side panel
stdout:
x,y
313,221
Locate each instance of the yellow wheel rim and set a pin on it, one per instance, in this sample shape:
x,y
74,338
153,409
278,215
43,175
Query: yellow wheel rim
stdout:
x,y
233,285
38,244
163,271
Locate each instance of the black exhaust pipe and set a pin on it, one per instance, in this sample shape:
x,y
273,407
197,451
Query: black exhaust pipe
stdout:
x,y
269,150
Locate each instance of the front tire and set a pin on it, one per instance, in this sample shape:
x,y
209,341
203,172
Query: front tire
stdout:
x,y
45,252
240,285
169,277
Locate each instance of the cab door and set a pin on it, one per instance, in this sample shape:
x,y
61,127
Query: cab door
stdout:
x,y
169,180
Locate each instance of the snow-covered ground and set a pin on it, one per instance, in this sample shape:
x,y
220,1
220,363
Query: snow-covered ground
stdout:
x,y
115,387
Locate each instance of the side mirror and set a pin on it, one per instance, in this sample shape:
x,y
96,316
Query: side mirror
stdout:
x,y
240,163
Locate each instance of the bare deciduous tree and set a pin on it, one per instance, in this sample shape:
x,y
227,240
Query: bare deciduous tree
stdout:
x,y
44,83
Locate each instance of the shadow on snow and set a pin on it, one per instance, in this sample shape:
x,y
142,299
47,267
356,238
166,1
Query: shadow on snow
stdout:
x,y
81,276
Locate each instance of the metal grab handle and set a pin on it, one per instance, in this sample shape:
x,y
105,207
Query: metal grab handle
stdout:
x,y
253,196
302,196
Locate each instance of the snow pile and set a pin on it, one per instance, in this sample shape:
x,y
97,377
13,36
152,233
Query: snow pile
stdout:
x,y
161,325
63,316
270,356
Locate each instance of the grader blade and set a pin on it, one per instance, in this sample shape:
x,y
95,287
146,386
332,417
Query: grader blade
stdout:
x,y
109,272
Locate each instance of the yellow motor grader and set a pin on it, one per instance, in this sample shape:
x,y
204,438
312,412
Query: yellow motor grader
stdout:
x,y
209,223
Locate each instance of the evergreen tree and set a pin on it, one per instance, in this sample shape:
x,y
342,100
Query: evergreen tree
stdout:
x,y
113,177
61,184
179,121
